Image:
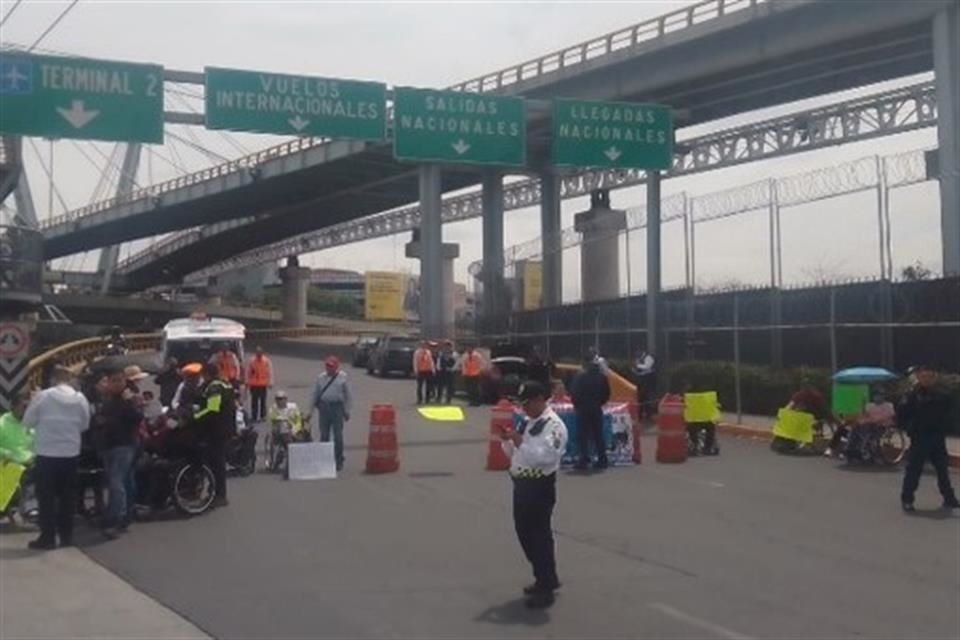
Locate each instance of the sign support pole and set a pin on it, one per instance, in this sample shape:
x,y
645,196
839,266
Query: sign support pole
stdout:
x,y
653,264
492,243
431,257
551,248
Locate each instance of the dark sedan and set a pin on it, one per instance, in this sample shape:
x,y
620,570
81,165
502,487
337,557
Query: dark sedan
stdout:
x,y
363,348
393,354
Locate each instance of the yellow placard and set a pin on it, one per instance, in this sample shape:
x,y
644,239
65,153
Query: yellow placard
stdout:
x,y
701,407
794,425
10,473
532,284
383,295
442,414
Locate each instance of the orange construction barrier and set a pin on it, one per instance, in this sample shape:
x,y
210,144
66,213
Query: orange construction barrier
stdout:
x,y
637,431
671,430
501,419
382,445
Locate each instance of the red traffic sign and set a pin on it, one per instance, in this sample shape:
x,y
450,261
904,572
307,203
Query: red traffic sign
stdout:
x,y
14,341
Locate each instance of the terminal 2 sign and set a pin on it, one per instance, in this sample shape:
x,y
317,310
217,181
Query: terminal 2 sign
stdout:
x,y
64,97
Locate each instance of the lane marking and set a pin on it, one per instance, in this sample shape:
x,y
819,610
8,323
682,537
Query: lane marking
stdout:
x,y
715,629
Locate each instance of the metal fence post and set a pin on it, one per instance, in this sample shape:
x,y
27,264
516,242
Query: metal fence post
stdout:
x,y
833,328
736,355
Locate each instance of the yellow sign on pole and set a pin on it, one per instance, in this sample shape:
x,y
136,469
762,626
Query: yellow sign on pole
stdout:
x,y
532,284
383,294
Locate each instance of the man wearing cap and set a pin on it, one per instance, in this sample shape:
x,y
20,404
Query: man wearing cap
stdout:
x,y
535,450
332,400
217,417
188,392
925,410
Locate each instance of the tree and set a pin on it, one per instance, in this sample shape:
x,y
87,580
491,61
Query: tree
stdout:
x,y
915,272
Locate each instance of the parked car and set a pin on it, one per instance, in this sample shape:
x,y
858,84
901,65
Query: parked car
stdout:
x,y
502,378
363,348
393,353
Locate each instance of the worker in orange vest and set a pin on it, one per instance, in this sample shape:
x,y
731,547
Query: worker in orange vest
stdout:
x,y
259,380
228,364
425,368
471,366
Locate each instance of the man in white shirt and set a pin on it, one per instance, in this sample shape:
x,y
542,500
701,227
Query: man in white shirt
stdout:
x,y
59,415
535,450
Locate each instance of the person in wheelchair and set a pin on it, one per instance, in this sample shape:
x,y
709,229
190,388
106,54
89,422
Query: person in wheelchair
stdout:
x,y
286,425
878,414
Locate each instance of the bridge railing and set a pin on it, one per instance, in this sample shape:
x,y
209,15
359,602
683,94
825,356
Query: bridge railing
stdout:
x,y
610,43
78,353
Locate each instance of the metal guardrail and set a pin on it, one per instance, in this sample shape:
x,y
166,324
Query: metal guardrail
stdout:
x,y
78,353
589,50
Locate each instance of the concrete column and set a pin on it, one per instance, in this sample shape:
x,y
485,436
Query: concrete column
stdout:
x,y
551,239
449,252
653,265
295,281
600,250
431,251
946,65
493,291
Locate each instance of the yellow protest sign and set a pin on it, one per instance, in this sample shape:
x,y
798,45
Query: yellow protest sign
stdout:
x,y
794,425
10,473
442,414
701,407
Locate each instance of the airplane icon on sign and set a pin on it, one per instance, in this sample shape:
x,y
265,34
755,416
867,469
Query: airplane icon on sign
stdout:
x,y
16,77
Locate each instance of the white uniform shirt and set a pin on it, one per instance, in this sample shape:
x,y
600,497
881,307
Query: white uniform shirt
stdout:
x,y
539,454
59,415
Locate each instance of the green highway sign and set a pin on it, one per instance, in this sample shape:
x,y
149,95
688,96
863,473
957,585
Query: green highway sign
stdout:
x,y
58,97
294,105
617,135
451,126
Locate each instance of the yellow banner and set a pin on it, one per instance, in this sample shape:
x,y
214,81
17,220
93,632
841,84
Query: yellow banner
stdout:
x,y
383,293
794,425
532,284
10,473
701,407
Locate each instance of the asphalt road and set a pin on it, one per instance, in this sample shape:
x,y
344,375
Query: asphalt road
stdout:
x,y
745,545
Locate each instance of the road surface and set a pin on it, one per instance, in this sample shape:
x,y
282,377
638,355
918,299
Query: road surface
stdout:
x,y
745,545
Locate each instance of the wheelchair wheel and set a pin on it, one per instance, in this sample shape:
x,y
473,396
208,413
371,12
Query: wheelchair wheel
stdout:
x,y
193,489
892,445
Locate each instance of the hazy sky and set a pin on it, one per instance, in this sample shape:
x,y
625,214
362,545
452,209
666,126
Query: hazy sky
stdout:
x,y
437,44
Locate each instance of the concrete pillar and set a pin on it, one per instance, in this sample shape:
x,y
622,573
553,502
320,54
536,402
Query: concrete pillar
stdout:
x,y
654,341
492,276
551,239
600,250
449,252
431,251
946,64
295,281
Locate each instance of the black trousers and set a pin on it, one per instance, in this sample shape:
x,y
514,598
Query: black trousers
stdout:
x,y
217,459
258,403
923,449
445,386
56,480
590,431
646,396
472,383
424,384
533,501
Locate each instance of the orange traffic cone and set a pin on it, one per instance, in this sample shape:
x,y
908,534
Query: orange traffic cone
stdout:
x,y
671,430
501,419
382,445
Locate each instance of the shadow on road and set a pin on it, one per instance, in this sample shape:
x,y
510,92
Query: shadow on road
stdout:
x,y
514,612
935,514
868,468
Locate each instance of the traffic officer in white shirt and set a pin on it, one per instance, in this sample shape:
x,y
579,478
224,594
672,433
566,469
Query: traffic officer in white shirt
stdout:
x,y
535,450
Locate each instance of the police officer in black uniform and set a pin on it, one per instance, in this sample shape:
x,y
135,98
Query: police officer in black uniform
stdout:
x,y
535,450
217,421
924,410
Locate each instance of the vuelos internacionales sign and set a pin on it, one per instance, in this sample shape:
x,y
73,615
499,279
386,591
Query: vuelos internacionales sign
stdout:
x,y
67,97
